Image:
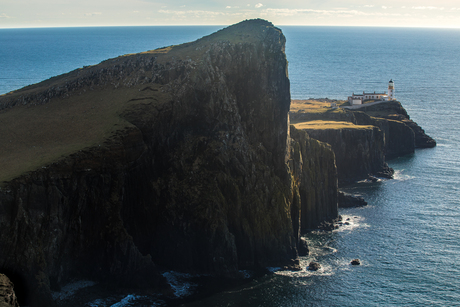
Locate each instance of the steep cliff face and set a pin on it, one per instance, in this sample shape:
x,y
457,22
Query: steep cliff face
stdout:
x,y
359,151
313,165
183,166
393,111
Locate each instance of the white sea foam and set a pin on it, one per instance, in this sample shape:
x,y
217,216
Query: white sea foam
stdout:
x,y
71,288
400,176
180,283
351,222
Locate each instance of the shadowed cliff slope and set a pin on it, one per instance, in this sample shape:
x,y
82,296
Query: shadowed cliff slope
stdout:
x,y
177,158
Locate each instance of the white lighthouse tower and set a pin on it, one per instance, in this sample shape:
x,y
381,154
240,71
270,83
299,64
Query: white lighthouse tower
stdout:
x,y
391,90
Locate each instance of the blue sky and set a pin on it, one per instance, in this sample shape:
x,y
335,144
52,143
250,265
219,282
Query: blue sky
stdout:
x,y
399,13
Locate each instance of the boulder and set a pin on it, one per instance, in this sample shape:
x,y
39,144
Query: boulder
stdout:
x,y
7,295
314,266
346,200
355,262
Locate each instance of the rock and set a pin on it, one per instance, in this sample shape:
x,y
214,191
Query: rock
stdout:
x,y
314,266
7,295
355,262
346,200
303,247
293,266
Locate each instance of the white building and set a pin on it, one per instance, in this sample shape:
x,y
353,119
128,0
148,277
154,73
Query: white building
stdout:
x,y
360,98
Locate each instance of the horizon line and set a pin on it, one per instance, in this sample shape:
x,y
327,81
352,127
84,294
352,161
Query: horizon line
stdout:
x,y
215,25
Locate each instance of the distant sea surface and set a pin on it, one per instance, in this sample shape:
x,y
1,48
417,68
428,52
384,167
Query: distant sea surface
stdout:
x,y
408,237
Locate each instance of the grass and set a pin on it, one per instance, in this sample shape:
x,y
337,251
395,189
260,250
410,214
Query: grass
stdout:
x,y
34,136
324,124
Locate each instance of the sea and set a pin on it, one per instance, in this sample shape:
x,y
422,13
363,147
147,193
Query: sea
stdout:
x,y
407,238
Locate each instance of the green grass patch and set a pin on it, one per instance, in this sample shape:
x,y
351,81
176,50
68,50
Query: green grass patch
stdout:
x,y
34,136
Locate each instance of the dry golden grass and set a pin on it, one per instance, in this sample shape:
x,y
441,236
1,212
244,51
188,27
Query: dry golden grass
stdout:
x,y
324,124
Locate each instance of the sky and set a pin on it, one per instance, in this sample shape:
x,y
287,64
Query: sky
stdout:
x,y
70,13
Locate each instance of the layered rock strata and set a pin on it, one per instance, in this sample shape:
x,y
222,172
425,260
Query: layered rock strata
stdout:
x,y
188,165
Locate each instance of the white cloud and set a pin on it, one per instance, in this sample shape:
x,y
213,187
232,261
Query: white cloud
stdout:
x,y
191,12
4,16
329,13
384,7
427,8
368,5
258,5
228,7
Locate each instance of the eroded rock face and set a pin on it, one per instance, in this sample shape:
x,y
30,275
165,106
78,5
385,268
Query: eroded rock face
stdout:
x,y
315,170
199,181
358,152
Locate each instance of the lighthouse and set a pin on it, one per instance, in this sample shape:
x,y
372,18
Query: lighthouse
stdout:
x,y
391,90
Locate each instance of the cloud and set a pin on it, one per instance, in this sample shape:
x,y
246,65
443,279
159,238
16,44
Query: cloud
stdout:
x,y
3,15
333,13
258,5
384,7
191,12
228,7
368,5
427,8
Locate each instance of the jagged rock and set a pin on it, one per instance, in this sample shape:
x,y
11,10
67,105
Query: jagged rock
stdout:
x,y
314,266
303,247
293,266
355,262
348,201
7,295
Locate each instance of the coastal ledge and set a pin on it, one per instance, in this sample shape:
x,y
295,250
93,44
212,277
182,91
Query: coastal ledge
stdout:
x,y
363,139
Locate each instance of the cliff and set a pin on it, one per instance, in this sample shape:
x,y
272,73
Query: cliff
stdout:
x,y
362,139
178,158
314,168
393,112
359,149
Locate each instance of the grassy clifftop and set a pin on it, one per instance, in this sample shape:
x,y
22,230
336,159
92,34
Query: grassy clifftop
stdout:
x,y
41,123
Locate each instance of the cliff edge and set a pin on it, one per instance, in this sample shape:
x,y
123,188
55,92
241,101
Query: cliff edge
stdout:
x,y
178,158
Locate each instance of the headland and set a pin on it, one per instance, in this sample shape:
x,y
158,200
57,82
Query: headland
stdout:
x,y
175,159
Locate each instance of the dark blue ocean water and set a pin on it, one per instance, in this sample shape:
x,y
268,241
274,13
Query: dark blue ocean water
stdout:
x,y
408,238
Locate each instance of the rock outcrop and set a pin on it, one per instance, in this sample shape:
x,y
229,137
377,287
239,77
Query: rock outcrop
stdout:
x,y
362,139
359,151
402,134
7,295
188,166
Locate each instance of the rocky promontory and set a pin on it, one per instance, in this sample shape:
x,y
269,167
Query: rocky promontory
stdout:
x,y
364,138
179,158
